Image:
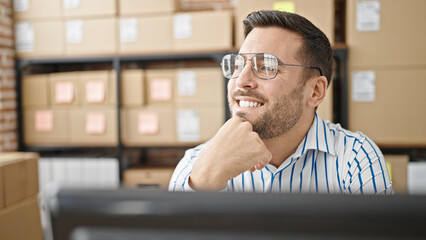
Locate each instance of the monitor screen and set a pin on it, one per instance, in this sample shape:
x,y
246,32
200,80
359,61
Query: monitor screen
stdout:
x,y
124,214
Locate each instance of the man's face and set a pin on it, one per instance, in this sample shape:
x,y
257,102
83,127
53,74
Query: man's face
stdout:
x,y
276,104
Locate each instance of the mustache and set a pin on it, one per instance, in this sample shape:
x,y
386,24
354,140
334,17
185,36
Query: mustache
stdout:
x,y
249,93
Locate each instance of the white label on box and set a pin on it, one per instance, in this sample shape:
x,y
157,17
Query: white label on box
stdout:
x,y
24,37
182,26
21,5
187,84
71,3
128,30
363,86
188,126
74,31
368,16
416,178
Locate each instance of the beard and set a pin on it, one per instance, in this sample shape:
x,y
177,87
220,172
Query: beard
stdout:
x,y
280,118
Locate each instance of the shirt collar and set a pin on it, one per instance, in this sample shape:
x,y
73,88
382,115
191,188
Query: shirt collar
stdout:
x,y
319,137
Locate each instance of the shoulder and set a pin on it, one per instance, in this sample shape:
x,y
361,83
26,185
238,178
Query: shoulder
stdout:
x,y
192,153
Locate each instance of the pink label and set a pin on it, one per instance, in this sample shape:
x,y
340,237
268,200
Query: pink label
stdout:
x,y
161,90
95,123
95,91
148,123
64,92
44,121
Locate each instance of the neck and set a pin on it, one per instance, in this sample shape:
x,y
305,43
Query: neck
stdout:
x,y
283,146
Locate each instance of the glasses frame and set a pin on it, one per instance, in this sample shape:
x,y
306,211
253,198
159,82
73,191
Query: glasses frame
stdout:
x,y
256,72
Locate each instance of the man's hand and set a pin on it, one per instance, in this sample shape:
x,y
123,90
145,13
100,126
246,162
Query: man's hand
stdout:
x,y
233,150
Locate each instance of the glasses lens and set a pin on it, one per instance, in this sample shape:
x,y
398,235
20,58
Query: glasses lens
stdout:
x,y
265,65
228,65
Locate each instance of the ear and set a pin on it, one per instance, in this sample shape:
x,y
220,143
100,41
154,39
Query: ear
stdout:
x,y
319,88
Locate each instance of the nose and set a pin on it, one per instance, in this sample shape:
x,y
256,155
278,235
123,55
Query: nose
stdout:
x,y
246,78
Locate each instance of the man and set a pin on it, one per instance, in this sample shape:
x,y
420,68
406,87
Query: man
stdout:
x,y
275,142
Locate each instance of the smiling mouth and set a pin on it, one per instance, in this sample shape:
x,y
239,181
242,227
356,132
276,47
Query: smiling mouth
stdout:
x,y
249,104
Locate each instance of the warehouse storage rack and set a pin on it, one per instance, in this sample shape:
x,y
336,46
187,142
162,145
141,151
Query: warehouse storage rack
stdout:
x,y
340,100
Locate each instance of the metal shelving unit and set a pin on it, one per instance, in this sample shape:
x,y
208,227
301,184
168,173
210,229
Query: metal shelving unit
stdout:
x,y
116,62
340,91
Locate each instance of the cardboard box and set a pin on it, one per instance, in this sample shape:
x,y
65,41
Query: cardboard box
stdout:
x,y
198,124
21,221
89,8
99,87
386,33
201,85
37,10
388,105
325,109
139,7
319,12
35,91
93,126
19,177
191,31
46,126
66,89
160,85
148,34
132,87
39,39
148,177
148,126
90,37
397,166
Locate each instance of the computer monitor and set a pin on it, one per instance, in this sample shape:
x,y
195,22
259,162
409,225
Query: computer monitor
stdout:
x,y
125,214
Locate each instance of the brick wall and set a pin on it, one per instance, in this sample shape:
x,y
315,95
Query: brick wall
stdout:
x,y
8,118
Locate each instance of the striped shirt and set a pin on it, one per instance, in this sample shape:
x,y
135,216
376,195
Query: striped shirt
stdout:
x,y
329,159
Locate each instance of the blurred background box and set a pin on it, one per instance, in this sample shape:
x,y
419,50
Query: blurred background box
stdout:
x,y
132,87
146,7
146,34
85,37
148,177
160,85
99,87
93,126
148,126
66,89
46,126
193,31
319,12
199,85
37,9
386,33
397,165
388,105
196,123
19,177
21,221
39,39
89,8
35,91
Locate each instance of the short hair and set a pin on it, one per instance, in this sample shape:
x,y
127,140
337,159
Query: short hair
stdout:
x,y
315,49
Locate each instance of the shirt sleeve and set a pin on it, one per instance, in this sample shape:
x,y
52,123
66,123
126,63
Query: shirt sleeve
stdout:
x,y
179,181
368,172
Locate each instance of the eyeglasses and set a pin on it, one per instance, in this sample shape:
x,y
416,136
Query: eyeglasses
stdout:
x,y
264,65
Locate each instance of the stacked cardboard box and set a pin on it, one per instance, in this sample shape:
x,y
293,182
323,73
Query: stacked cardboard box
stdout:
x,y
387,71
19,208
70,108
51,28
157,177
171,106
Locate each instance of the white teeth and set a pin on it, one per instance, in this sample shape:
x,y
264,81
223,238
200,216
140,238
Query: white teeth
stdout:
x,y
249,104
